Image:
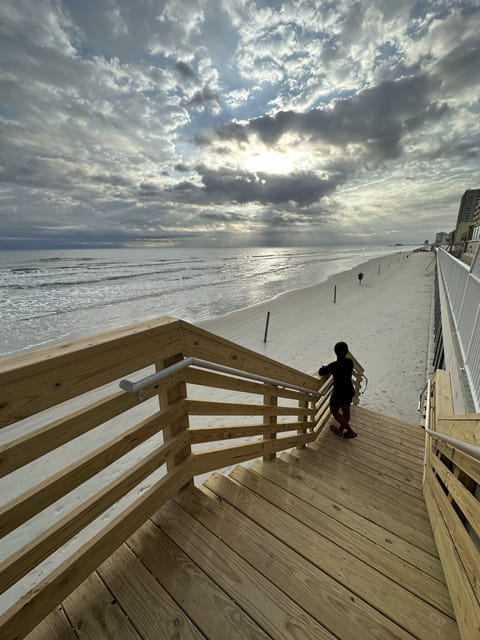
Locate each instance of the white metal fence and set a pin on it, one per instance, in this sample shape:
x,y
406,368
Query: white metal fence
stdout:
x,y
462,286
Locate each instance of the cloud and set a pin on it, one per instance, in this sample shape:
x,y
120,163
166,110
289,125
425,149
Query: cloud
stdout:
x,y
203,97
263,188
376,118
185,71
134,121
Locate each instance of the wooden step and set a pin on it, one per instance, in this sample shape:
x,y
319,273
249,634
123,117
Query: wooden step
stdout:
x,y
354,542
406,523
370,463
411,445
320,465
381,592
388,421
385,451
259,598
210,608
342,612
340,457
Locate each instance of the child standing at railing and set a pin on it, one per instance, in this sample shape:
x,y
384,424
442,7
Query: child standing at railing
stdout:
x,y
343,390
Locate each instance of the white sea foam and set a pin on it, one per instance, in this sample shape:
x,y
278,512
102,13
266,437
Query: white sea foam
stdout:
x,y
50,296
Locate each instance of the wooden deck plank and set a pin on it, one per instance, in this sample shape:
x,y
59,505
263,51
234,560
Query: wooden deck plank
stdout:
x,y
397,514
329,447
382,593
355,542
337,608
95,613
380,486
151,609
388,421
54,627
262,600
387,425
207,605
348,457
427,562
388,436
386,451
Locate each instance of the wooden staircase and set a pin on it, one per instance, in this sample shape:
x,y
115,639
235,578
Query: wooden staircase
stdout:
x,y
332,541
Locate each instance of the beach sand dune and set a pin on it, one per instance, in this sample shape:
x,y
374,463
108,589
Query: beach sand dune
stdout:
x,y
385,320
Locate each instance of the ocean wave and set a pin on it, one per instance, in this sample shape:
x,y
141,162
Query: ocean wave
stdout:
x,y
87,281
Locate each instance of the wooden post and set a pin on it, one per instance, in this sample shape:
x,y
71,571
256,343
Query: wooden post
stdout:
x,y
266,326
334,294
303,404
269,400
378,269
170,396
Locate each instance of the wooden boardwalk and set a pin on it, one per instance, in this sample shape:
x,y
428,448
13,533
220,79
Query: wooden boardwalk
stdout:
x,y
329,542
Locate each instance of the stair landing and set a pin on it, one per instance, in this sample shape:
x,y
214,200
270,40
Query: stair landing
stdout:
x,y
329,542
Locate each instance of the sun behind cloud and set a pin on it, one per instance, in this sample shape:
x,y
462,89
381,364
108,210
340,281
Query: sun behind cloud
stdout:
x,y
264,160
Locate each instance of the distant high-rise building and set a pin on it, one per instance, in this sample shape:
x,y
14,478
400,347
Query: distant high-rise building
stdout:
x,y
476,222
464,228
468,203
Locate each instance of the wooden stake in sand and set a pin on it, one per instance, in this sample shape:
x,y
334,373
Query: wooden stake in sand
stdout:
x,y
334,293
266,326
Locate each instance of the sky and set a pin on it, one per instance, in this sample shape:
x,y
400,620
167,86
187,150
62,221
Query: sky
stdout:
x,y
236,122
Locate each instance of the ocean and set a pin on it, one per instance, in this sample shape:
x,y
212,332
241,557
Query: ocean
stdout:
x,y
57,295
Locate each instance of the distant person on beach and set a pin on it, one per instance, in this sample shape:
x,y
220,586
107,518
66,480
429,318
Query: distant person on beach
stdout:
x,y
343,390
360,277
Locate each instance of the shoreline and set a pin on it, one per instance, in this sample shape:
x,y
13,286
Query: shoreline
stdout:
x,y
385,320
360,265
196,306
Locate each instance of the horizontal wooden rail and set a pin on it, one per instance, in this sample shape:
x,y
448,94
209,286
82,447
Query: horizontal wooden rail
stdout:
x,y
464,500
208,408
219,381
227,456
28,504
461,460
42,379
63,530
451,479
29,610
215,434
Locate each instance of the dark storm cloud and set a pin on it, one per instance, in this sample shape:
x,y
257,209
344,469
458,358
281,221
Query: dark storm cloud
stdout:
x,y
185,71
377,118
230,186
459,68
223,217
200,98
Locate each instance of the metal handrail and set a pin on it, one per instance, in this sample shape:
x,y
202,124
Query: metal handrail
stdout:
x,y
471,449
419,407
427,424
140,386
363,377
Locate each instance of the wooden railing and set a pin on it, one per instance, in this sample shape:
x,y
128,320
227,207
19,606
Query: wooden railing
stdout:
x,y
451,489
96,448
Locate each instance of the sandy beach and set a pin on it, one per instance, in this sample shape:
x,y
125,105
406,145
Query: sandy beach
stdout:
x,y
385,320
